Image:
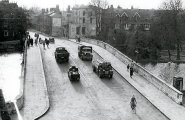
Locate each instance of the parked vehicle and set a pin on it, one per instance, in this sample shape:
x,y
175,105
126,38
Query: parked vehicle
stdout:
x,y
52,40
61,54
85,52
102,68
73,74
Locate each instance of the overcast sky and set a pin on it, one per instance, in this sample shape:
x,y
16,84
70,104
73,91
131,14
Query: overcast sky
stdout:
x,y
141,4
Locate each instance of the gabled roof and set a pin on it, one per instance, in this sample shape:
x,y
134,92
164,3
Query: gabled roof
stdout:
x,y
124,14
142,13
56,15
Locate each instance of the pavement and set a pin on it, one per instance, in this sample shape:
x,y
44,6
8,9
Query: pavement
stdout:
x,y
36,101
162,102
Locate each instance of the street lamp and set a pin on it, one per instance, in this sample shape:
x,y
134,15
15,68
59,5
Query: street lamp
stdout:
x,y
136,52
68,15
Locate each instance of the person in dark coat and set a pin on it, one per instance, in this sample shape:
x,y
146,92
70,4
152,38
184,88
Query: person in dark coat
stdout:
x,y
47,42
128,66
28,42
31,41
131,71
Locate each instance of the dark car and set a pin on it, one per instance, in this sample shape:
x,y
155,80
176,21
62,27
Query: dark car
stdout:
x,y
61,54
73,74
52,40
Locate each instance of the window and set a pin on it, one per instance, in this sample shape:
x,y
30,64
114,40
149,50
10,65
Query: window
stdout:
x,y
77,30
83,13
126,26
91,20
117,26
5,24
83,30
147,26
90,13
5,32
83,20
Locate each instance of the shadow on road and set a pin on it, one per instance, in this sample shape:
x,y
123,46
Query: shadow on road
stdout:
x,y
78,86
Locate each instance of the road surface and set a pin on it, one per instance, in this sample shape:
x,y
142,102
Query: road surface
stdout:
x,y
92,98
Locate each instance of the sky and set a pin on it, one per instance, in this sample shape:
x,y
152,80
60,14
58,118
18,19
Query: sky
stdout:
x,y
141,4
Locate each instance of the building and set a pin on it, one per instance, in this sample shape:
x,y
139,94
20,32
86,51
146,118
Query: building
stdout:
x,y
49,21
82,21
132,19
13,25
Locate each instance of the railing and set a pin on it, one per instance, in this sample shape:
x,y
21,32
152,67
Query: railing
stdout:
x,y
167,89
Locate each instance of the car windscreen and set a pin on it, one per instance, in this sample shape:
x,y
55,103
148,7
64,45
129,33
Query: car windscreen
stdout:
x,y
87,49
106,66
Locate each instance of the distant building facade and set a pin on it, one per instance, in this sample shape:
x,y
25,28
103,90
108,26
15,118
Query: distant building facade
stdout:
x,y
78,21
49,21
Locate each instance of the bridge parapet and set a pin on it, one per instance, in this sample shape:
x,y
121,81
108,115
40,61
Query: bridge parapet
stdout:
x,y
167,89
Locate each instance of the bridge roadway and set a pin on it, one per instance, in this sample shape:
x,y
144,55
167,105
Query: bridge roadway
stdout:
x,y
92,98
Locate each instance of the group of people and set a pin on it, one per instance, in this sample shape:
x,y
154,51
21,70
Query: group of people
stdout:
x,y
45,42
30,42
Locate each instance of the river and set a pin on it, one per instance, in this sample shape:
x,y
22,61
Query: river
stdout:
x,y
10,74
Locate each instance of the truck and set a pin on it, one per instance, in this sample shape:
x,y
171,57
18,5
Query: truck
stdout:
x,y
102,68
61,54
85,52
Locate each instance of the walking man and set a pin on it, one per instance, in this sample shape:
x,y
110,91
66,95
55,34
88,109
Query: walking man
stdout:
x,y
133,103
43,44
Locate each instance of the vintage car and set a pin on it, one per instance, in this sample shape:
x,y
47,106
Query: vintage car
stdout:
x,y
52,40
61,54
102,68
85,52
73,74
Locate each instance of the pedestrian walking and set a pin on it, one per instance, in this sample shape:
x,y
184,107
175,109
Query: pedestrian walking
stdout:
x,y
131,71
43,44
31,41
47,42
133,103
28,42
128,67
36,41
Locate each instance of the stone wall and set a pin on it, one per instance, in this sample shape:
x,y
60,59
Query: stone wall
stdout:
x,y
167,89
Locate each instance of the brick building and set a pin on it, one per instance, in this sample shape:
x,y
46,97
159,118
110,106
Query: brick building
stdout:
x,y
13,25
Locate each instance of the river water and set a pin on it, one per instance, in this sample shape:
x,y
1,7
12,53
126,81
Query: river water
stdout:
x,y
10,74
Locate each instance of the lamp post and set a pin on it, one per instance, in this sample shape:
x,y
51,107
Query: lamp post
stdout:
x,y
68,25
136,52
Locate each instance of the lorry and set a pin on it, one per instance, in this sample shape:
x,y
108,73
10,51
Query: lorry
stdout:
x,y
61,54
102,68
85,52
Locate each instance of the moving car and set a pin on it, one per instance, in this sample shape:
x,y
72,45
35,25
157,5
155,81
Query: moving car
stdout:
x,y
102,68
85,52
73,74
61,54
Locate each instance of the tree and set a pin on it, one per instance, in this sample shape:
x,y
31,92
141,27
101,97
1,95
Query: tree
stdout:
x,y
162,31
98,6
174,7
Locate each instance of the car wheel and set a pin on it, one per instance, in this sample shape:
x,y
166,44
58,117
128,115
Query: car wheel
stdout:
x,y
100,75
110,76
